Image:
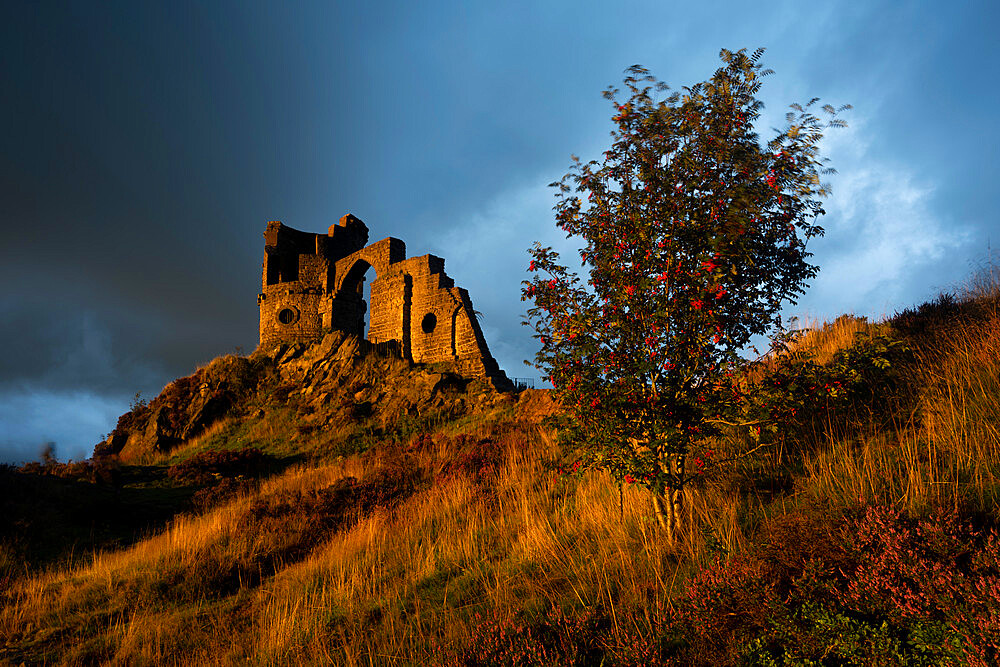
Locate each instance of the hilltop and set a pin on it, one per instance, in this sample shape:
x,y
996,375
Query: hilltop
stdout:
x,y
335,503
333,397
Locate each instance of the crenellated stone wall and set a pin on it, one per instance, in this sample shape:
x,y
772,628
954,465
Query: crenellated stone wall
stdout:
x,y
315,282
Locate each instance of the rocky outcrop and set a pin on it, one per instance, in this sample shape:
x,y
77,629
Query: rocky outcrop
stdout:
x,y
344,378
187,406
339,381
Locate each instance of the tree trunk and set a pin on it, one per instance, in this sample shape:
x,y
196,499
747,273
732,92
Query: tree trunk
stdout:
x,y
670,504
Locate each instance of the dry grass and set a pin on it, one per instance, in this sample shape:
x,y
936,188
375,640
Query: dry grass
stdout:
x,y
961,411
824,340
946,449
395,583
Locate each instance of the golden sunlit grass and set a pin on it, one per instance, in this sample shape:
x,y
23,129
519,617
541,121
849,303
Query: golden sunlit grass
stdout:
x,y
946,450
823,340
397,583
394,583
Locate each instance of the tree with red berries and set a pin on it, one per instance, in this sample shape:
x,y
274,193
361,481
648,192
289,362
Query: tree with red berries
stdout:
x,y
693,236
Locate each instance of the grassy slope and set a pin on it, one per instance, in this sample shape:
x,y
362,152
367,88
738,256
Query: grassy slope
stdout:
x,y
408,552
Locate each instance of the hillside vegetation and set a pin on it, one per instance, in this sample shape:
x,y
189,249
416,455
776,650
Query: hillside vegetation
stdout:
x,y
331,504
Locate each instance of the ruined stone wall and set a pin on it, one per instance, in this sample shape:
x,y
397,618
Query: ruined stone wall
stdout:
x,y
431,309
289,313
391,297
297,277
474,357
388,296
439,318
313,282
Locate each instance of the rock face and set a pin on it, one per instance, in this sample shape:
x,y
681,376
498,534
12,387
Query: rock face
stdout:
x,y
186,407
343,377
314,283
338,382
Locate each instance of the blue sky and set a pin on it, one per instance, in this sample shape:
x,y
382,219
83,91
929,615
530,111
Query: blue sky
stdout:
x,y
144,146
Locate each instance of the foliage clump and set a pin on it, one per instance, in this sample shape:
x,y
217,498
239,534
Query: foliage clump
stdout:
x,y
203,468
793,398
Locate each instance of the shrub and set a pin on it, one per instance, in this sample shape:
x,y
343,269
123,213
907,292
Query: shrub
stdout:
x,y
553,639
877,587
794,397
477,459
100,471
203,468
216,494
938,577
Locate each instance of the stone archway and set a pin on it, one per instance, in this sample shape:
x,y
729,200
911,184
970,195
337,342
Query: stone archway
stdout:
x,y
378,255
389,302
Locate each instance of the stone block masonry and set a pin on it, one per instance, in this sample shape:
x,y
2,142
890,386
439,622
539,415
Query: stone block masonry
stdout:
x,y
315,282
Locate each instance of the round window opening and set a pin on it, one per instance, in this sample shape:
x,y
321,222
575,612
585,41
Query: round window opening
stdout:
x,y
428,323
286,316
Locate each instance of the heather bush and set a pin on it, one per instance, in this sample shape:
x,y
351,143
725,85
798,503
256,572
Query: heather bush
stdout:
x,y
876,587
723,607
938,576
554,638
224,491
205,467
475,458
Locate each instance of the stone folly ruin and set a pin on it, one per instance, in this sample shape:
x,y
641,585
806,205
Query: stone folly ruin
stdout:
x,y
314,283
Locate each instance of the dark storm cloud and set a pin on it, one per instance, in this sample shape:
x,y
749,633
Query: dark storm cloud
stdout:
x,y
119,195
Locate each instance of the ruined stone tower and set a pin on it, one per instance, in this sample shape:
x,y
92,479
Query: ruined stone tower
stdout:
x,y
313,283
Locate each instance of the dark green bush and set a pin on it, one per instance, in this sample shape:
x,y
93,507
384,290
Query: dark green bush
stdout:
x,y
794,398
